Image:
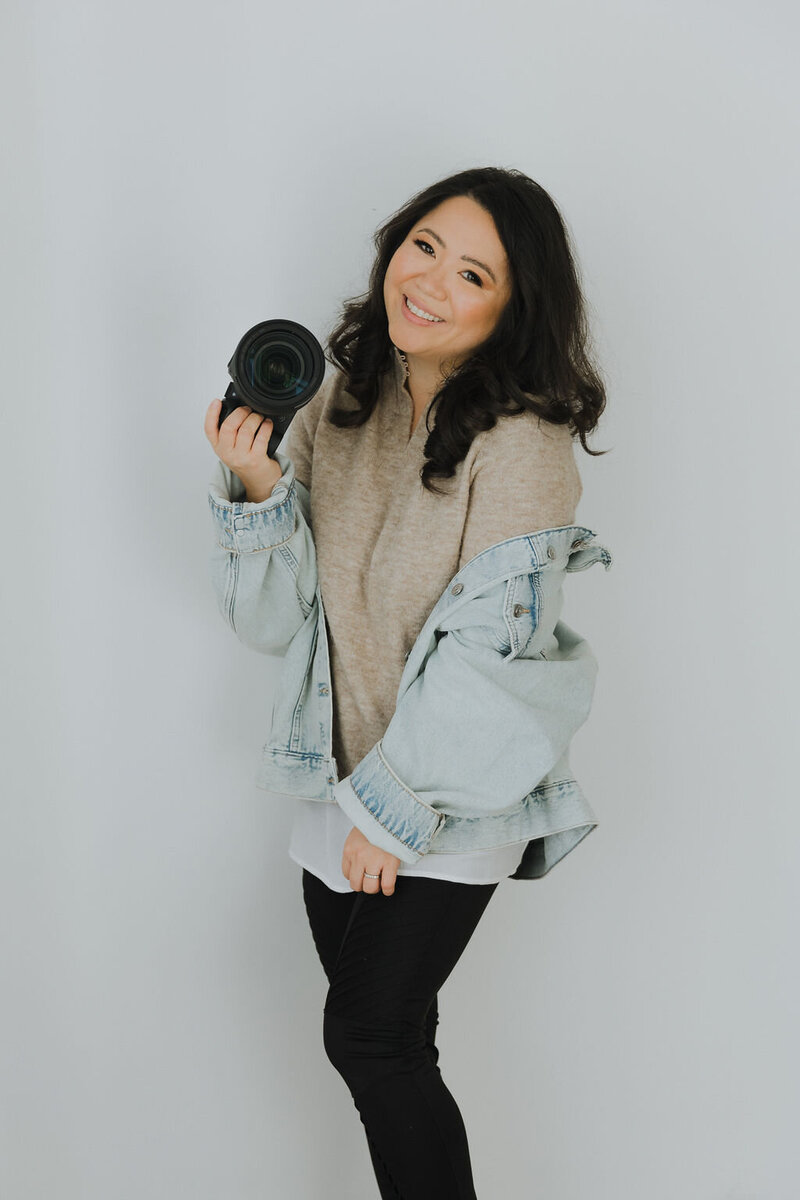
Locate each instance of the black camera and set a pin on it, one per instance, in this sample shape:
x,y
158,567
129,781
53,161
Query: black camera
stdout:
x,y
277,367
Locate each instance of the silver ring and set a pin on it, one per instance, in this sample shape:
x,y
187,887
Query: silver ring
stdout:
x,y
367,874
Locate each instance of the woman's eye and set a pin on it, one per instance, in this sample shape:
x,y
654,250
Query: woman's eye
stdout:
x,y
422,242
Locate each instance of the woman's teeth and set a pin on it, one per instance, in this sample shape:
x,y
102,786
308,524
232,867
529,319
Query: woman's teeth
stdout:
x,y
420,312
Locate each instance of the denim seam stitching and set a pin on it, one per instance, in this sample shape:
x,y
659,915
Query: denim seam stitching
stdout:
x,y
383,825
406,789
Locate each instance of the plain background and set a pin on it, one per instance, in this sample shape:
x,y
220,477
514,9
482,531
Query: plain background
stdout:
x,y
624,1028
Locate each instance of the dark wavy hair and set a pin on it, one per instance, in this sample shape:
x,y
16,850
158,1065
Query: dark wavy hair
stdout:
x,y
535,360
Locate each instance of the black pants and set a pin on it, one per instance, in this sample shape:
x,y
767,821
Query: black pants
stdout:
x,y
386,957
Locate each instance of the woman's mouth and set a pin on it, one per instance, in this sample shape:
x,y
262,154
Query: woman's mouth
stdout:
x,y
417,320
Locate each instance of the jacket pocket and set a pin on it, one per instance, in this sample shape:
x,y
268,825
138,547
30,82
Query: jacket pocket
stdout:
x,y
522,608
505,615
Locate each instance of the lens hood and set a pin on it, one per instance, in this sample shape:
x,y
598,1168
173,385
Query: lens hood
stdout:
x,y
277,367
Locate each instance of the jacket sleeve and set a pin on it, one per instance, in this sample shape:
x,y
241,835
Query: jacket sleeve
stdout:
x,y
478,729
264,562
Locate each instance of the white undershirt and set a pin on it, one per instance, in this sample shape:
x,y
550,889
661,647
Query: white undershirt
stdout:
x,y
319,831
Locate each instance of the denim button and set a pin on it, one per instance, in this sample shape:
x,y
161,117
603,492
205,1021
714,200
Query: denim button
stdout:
x,y
551,551
239,532
456,588
519,609
577,545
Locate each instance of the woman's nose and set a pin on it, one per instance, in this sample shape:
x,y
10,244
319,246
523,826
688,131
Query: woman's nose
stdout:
x,y
433,283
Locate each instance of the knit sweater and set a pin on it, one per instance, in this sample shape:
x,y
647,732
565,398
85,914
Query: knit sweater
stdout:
x,y
387,548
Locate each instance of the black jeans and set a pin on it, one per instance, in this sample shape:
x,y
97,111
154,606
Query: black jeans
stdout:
x,y
386,957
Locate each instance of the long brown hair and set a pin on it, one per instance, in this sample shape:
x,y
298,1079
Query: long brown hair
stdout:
x,y
535,360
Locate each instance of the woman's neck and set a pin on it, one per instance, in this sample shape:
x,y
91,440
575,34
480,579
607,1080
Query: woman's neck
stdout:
x,y
422,382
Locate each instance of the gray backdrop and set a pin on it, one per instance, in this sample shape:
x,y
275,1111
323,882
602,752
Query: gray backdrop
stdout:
x,y
625,1028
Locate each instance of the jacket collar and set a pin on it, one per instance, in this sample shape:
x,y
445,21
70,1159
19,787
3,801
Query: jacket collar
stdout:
x,y
565,547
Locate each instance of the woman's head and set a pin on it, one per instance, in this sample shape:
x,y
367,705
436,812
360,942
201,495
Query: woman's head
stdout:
x,y
454,267
518,341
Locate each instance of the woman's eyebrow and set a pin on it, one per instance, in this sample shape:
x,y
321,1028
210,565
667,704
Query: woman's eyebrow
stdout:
x,y
483,266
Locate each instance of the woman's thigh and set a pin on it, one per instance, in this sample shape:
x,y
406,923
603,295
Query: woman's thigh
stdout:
x,y
396,951
328,915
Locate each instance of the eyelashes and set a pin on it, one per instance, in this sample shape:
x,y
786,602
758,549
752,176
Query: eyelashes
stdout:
x,y
422,242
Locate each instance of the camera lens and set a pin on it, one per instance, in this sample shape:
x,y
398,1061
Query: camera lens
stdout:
x,y
275,369
278,365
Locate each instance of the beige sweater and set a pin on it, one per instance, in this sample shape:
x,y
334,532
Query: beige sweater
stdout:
x,y
387,548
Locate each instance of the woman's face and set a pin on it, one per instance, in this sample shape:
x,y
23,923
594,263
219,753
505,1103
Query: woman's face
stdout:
x,y
429,268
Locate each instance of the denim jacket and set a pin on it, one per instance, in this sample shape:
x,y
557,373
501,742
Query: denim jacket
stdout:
x,y
476,753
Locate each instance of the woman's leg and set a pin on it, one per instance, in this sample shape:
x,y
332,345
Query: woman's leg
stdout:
x,y
329,913
394,956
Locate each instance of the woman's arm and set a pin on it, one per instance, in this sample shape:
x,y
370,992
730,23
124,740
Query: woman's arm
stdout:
x,y
524,477
263,566
486,720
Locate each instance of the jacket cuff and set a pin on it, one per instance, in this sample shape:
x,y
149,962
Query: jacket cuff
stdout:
x,y
388,813
243,527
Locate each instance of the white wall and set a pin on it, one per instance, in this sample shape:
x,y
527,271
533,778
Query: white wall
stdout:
x,y
625,1028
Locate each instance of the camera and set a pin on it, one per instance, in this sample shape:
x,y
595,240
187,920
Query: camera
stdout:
x,y
277,367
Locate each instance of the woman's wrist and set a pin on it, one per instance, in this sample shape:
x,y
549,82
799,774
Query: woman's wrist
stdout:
x,y
257,495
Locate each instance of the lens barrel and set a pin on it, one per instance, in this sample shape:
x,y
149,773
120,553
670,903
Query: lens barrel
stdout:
x,y
277,367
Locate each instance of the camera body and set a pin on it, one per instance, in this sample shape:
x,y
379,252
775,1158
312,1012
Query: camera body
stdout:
x,y
277,367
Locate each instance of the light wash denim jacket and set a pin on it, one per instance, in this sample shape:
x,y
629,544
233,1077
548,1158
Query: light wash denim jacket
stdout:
x,y
476,754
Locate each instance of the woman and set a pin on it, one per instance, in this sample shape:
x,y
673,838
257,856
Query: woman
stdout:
x,y
447,429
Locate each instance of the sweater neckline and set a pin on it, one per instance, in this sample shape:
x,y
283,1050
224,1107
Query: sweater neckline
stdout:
x,y
405,399
399,368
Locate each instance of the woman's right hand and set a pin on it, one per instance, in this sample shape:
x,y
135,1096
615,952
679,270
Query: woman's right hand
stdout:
x,y
241,443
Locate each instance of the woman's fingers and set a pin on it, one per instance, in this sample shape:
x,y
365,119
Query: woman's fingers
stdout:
x,y
212,422
261,440
241,442
387,874
360,856
226,432
360,881
239,431
234,427
371,886
389,877
247,431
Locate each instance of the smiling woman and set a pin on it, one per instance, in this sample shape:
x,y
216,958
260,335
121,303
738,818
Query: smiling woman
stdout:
x,y
459,334
413,578
487,252
454,310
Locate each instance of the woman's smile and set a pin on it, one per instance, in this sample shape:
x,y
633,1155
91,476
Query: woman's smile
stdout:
x,y
455,263
412,316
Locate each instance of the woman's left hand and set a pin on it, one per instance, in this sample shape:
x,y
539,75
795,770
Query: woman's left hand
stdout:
x,y
360,855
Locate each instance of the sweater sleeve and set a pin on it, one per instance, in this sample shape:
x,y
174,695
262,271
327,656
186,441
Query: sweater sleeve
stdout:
x,y
524,479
